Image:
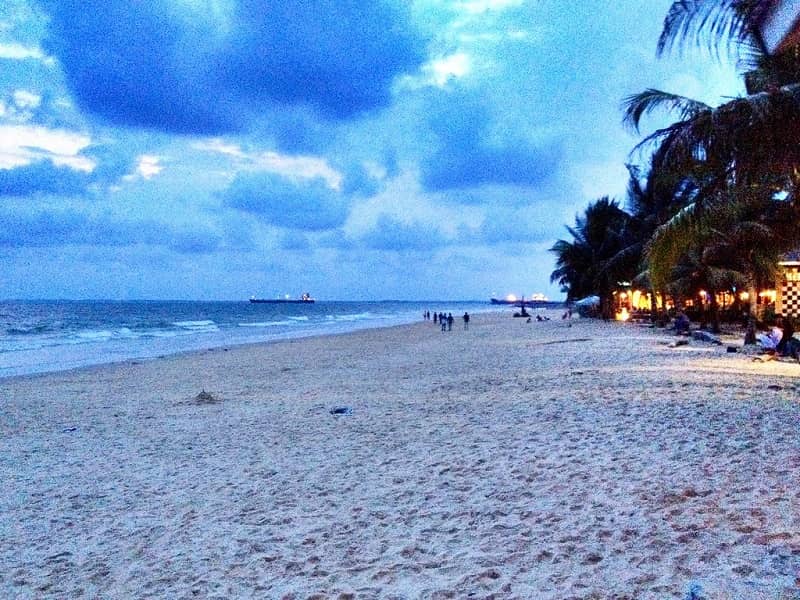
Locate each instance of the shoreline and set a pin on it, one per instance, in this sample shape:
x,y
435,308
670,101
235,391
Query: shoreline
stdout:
x,y
515,459
116,351
188,354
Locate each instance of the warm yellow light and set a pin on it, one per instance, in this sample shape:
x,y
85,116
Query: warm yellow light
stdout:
x,y
623,295
769,295
744,296
623,315
703,293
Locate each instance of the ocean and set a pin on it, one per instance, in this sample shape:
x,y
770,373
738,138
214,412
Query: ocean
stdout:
x,y
46,336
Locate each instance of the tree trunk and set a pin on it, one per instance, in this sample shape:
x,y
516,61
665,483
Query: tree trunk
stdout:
x,y
714,312
750,332
703,312
653,305
606,306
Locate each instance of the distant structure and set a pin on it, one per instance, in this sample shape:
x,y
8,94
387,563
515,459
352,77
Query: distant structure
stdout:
x,y
787,287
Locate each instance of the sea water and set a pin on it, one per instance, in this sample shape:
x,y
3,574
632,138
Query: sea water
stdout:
x,y
44,336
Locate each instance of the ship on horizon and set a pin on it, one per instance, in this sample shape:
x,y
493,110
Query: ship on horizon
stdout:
x,y
512,300
304,299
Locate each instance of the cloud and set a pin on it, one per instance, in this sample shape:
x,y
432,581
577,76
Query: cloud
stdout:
x,y
471,154
294,240
20,52
309,205
394,235
23,144
42,177
358,180
508,226
207,67
62,163
40,227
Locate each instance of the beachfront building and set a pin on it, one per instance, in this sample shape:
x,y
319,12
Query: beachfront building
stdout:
x,y
787,290
635,304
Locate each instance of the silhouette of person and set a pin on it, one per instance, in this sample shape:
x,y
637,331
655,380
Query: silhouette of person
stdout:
x,y
449,321
466,320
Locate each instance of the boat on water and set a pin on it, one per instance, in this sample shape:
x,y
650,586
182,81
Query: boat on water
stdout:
x,y
304,299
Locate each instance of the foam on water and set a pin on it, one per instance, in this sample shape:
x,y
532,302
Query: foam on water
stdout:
x,y
56,335
266,324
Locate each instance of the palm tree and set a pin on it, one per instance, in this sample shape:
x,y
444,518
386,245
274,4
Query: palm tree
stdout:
x,y
586,265
745,140
651,201
747,136
733,158
736,239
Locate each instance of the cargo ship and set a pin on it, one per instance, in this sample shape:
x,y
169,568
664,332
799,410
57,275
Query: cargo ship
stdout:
x,y
304,299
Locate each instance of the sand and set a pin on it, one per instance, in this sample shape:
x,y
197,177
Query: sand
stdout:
x,y
513,460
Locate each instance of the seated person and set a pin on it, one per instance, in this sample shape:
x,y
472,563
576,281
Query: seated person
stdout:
x,y
769,341
682,323
788,345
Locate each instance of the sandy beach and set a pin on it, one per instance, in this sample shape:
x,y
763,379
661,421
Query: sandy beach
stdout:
x,y
512,460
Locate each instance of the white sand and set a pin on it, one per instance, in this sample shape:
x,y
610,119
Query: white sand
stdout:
x,y
513,460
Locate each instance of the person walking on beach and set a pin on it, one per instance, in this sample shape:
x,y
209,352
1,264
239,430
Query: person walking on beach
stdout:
x,y
435,318
449,321
443,321
466,320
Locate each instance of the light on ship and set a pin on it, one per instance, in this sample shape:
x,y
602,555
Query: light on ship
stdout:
x,y
511,298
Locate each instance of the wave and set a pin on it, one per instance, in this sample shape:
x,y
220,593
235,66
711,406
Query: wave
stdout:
x,y
205,325
35,330
104,334
265,324
353,317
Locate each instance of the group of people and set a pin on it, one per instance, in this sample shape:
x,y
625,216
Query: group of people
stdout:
x,y
780,340
445,320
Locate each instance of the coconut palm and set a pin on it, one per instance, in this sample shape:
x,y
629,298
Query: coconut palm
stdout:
x,y
748,136
734,23
651,201
586,265
735,240
746,140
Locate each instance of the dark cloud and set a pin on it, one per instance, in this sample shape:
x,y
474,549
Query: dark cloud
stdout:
x,y
170,67
42,177
308,205
392,234
71,226
470,154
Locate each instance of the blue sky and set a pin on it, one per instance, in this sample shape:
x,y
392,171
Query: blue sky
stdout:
x,y
214,149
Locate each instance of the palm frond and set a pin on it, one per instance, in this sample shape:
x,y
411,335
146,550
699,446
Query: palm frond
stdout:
x,y
714,23
638,105
669,241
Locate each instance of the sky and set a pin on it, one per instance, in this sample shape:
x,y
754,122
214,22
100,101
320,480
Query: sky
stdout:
x,y
408,149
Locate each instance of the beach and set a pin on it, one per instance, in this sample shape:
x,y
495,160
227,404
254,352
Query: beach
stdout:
x,y
511,460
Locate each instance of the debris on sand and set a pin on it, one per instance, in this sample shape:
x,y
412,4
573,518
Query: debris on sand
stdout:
x,y
205,397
